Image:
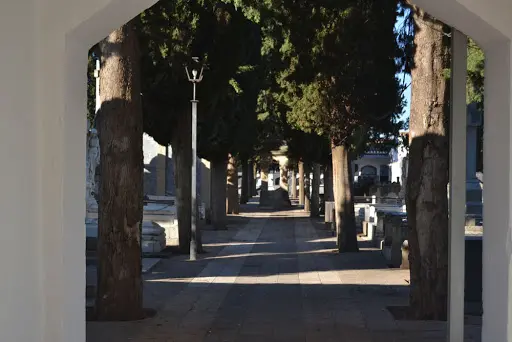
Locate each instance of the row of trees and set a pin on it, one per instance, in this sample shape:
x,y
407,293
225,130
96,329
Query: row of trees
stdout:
x,y
271,79
320,77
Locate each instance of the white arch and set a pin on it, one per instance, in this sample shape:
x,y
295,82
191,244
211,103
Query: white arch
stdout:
x,y
42,127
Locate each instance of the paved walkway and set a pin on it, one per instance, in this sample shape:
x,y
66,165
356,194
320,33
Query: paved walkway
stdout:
x,y
274,277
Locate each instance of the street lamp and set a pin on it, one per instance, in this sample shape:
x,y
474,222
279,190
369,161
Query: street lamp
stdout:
x,y
194,233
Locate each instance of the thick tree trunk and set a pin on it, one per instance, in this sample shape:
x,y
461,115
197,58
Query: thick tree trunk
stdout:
x,y
119,295
244,195
307,190
343,202
301,183
315,191
293,186
328,186
218,193
233,205
426,196
182,157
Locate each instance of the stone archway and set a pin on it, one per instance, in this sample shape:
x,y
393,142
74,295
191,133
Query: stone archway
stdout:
x,y
45,77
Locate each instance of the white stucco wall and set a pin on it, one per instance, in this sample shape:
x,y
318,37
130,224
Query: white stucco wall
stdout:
x,y
42,131
488,22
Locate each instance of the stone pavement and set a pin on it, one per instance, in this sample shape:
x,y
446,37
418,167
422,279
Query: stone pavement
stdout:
x,y
275,277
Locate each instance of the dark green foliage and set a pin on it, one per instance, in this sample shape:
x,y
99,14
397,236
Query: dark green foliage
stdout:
x,y
475,80
171,32
341,83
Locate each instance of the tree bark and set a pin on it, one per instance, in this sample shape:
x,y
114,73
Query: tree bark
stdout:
x,y
307,190
182,157
254,191
218,193
427,180
301,183
264,195
315,191
293,190
244,195
328,186
233,205
283,176
119,295
343,201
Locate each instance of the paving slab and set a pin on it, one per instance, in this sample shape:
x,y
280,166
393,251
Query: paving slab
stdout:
x,y
275,277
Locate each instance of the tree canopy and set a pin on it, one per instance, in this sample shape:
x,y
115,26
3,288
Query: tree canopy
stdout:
x,y
171,32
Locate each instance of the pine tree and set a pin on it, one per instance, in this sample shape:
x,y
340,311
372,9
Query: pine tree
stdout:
x,y
341,84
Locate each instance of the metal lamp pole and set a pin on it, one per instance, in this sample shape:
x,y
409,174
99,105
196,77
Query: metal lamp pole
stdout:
x,y
194,234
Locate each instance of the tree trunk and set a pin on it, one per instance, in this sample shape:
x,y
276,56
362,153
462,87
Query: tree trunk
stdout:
x,y
343,202
301,183
307,190
293,190
233,206
119,295
328,186
182,157
315,191
218,193
427,180
244,195
264,195
283,176
254,191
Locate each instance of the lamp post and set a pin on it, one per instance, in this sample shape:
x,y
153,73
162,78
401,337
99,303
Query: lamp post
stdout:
x,y
194,233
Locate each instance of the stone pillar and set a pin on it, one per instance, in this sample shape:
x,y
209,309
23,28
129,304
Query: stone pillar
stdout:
x,y
474,206
456,248
497,252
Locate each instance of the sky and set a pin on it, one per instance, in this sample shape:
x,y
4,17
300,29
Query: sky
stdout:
x,y
407,95
407,79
